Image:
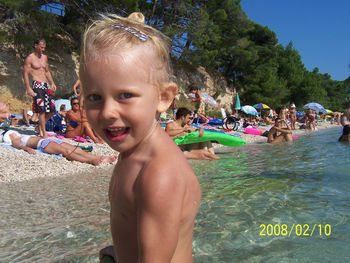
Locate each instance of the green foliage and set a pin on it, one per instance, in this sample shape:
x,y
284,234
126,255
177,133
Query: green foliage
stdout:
x,y
215,34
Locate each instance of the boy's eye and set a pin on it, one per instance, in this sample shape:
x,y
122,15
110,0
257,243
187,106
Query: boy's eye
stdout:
x,y
125,96
94,97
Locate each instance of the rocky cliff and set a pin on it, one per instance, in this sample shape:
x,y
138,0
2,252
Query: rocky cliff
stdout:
x,y
64,70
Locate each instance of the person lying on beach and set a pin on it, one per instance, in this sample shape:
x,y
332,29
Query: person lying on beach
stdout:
x,y
180,127
154,194
77,124
199,118
278,134
29,143
345,137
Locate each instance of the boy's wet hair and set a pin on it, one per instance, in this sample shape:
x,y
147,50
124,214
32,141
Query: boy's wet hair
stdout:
x,y
182,112
346,130
112,31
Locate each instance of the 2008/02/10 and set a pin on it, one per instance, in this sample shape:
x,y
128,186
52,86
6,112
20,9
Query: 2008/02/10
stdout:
x,y
300,230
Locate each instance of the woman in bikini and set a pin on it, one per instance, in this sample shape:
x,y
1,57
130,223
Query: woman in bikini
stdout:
x,y
77,124
279,134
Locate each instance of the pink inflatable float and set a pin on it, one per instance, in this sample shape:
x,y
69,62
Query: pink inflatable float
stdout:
x,y
255,131
252,131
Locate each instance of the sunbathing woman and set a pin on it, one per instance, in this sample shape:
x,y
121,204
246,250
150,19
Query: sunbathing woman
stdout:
x,y
77,124
30,143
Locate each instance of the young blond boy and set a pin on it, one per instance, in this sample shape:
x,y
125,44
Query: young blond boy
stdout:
x,y
154,194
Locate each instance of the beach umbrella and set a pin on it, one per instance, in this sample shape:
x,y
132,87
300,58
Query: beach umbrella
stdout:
x,y
205,98
249,110
315,106
261,106
238,103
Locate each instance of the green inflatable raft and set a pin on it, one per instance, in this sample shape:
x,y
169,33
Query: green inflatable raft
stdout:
x,y
222,138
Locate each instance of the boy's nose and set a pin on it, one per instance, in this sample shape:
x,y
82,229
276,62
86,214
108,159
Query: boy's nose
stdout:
x,y
110,111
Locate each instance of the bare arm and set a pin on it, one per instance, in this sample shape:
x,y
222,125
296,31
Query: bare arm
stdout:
x,y
26,70
48,76
76,85
173,131
160,197
197,98
204,119
73,117
283,130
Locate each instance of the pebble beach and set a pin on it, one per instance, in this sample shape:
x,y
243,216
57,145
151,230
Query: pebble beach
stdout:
x,y
18,165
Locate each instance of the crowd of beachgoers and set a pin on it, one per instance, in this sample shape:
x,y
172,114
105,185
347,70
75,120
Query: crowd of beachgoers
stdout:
x,y
19,165
54,140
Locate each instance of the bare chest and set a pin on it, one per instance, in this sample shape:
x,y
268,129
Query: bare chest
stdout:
x,y
38,63
122,192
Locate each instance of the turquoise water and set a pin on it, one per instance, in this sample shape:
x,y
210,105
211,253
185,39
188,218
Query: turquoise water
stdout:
x,y
307,182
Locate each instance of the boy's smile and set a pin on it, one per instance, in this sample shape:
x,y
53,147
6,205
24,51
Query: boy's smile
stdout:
x,y
117,134
121,106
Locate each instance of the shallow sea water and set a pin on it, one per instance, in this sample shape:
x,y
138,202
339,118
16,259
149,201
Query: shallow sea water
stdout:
x,y
304,183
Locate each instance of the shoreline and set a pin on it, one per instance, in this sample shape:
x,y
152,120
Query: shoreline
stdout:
x,y
251,139
18,165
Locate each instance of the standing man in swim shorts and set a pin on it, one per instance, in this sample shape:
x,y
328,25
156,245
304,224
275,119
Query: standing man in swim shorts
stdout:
x,y
36,65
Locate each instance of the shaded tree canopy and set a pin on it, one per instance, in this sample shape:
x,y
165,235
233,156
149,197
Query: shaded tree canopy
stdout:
x,y
215,34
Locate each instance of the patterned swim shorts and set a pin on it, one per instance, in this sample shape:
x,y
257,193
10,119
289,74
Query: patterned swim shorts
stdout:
x,y
43,100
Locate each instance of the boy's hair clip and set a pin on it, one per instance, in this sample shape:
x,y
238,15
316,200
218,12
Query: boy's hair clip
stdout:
x,y
137,33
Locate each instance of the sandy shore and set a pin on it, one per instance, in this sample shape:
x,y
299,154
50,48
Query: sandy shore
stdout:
x,y
18,165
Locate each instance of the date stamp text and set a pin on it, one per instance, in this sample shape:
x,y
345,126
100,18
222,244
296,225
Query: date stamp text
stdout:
x,y
304,230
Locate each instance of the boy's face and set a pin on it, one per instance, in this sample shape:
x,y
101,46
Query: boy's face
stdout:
x,y
121,104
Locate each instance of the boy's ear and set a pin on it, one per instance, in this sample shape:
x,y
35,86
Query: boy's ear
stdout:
x,y
166,96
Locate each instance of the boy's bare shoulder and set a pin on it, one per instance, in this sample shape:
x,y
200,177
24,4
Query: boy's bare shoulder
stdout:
x,y
167,169
171,163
